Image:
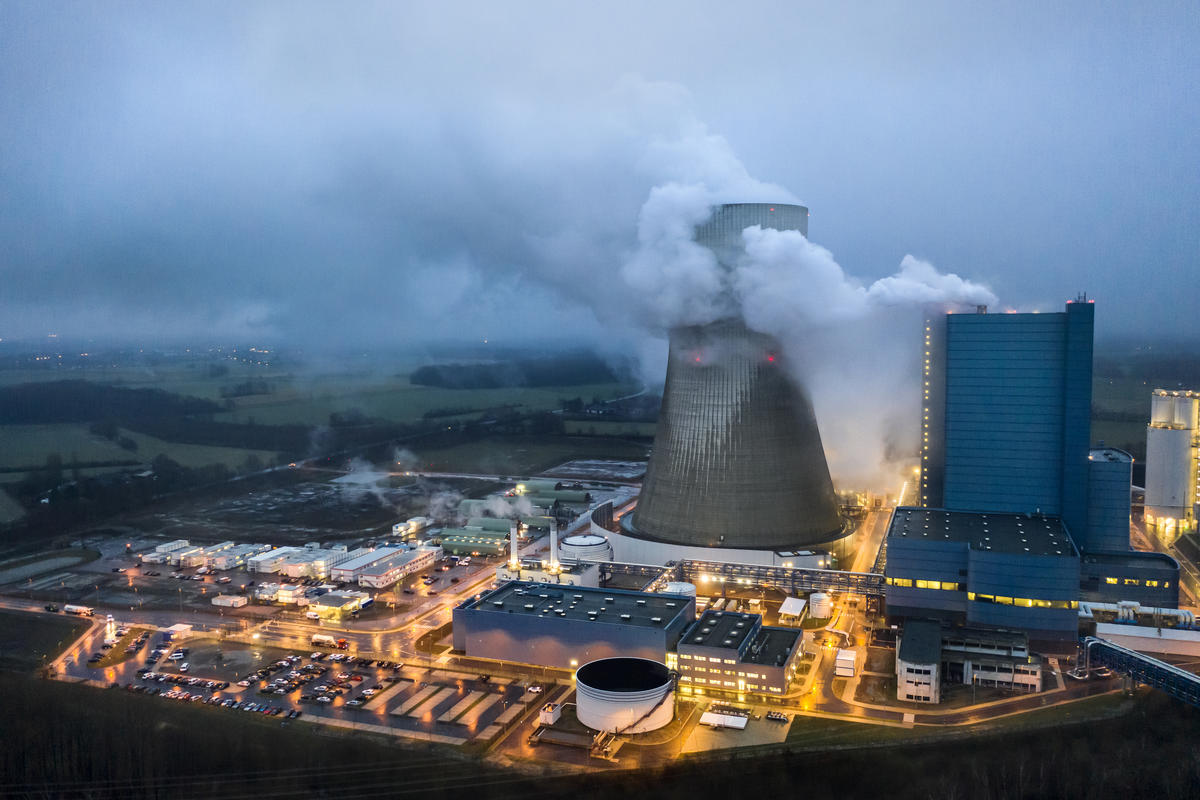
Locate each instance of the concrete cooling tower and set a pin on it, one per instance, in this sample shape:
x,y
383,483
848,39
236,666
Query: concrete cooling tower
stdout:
x,y
737,460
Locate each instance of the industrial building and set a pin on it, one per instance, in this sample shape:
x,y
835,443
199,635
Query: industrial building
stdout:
x,y
1012,571
567,573
737,461
930,654
334,605
236,556
1172,460
349,570
1151,579
387,571
734,652
1006,413
1005,440
564,627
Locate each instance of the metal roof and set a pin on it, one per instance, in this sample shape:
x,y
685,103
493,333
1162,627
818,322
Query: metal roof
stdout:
x,y
1004,533
920,642
582,603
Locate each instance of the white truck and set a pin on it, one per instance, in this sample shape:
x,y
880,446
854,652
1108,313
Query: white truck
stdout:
x,y
82,611
324,639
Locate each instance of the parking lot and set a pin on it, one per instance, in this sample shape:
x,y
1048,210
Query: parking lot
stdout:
x,y
394,697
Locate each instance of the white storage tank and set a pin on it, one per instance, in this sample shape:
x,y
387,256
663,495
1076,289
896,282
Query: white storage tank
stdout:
x,y
820,605
680,587
585,547
624,695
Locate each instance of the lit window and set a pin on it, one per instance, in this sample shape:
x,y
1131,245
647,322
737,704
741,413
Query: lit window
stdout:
x,y
1111,581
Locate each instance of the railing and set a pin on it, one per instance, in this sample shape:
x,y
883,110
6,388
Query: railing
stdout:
x,y
1176,682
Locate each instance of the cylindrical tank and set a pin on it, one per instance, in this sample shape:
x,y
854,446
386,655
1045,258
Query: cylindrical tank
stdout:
x,y
820,605
1162,409
680,587
585,547
624,695
1185,414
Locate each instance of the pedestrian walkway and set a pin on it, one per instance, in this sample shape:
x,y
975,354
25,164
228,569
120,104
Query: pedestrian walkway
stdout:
x,y
445,691
461,706
415,700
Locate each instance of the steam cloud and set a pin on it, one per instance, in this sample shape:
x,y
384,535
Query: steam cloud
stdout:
x,y
854,346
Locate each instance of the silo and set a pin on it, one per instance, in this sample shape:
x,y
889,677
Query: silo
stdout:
x,y
586,547
738,460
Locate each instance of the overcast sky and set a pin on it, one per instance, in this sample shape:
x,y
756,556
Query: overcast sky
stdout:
x,y
290,172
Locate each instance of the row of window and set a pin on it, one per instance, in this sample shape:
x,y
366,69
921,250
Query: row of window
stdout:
x,y
1024,602
1136,582
754,687
908,583
716,671
1005,668
689,657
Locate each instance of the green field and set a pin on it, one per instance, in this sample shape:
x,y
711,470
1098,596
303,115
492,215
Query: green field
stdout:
x,y
180,379
823,732
28,445
27,641
397,400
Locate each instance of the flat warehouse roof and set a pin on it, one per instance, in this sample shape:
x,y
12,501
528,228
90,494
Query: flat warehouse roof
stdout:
x,y
583,603
1003,533
771,646
720,629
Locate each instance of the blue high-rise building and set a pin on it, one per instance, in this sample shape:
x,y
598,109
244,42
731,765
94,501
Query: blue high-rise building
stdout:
x,y
1006,413
1020,518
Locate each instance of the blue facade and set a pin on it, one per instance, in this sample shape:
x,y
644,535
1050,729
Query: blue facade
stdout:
x,y
996,570
1110,475
1007,413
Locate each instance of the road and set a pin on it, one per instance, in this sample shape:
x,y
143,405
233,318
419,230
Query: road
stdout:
x,y
1189,577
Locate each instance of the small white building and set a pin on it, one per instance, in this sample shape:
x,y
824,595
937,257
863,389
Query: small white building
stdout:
x,y
918,662
270,560
845,663
387,571
291,594
338,604
236,556
230,600
349,570
792,611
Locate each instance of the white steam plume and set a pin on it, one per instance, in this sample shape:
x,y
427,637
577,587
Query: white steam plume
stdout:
x,y
509,507
853,346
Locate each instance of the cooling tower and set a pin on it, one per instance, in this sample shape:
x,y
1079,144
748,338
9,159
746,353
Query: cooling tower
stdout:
x,y
737,460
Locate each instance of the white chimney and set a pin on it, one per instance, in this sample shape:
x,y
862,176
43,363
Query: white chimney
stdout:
x,y
514,552
554,545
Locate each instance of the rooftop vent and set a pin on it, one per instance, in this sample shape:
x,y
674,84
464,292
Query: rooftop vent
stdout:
x,y
609,600
529,606
656,619
626,616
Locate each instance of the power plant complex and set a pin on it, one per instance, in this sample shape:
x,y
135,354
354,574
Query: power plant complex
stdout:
x,y
1020,525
